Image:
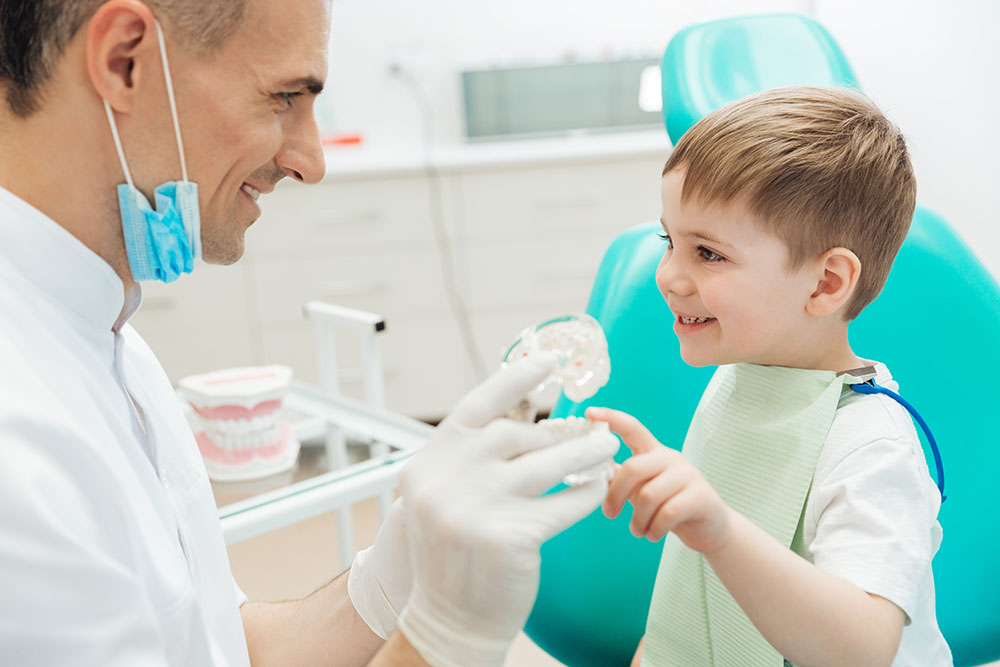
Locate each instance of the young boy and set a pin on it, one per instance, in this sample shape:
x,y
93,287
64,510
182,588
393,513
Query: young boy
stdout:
x,y
810,504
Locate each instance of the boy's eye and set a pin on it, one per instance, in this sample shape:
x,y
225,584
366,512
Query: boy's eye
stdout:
x,y
666,237
710,255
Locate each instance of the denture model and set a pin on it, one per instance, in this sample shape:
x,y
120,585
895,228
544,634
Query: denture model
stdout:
x,y
582,368
568,428
241,436
583,364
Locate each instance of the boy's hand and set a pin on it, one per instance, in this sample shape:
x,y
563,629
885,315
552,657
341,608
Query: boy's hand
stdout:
x,y
667,492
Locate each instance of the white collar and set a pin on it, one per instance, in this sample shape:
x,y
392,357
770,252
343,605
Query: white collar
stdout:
x,y
61,267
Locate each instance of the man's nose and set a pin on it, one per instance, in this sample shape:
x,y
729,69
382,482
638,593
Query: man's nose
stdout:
x,y
301,153
672,277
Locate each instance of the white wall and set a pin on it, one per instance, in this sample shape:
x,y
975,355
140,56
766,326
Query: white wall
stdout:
x,y
933,66
438,38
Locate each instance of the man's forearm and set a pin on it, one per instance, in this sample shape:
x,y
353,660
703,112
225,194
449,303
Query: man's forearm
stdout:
x,y
810,616
398,652
321,629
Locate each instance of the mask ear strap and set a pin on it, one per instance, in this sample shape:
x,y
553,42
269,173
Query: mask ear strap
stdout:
x,y
173,105
118,143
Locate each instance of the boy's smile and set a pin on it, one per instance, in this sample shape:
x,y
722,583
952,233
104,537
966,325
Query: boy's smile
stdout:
x,y
728,285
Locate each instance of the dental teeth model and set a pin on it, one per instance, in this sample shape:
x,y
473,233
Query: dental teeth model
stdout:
x,y
583,367
241,436
577,427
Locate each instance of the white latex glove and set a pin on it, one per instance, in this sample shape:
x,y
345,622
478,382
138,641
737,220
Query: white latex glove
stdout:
x,y
380,578
476,521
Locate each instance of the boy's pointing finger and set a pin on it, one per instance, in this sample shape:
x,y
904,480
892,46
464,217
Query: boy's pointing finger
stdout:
x,y
637,438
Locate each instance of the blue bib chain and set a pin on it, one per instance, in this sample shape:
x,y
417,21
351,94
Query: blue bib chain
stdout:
x,y
869,387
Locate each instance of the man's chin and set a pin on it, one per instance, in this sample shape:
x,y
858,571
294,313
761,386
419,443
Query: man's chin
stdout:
x,y
223,254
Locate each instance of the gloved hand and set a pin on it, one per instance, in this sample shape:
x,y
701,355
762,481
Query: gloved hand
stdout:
x,y
476,521
380,578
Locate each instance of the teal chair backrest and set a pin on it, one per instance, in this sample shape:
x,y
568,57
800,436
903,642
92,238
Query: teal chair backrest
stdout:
x,y
936,325
709,65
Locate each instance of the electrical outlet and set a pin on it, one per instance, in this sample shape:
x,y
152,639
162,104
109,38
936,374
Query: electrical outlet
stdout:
x,y
407,61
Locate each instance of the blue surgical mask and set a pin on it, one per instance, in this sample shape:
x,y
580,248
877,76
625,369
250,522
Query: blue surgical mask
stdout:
x,y
161,242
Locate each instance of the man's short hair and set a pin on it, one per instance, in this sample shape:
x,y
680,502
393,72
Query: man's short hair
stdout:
x,y
821,168
34,33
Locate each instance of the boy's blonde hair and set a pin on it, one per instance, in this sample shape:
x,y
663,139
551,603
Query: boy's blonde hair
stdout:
x,y
821,168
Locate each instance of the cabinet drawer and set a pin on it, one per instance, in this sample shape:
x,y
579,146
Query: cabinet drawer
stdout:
x,y
557,201
390,283
210,296
339,217
199,349
556,274
423,362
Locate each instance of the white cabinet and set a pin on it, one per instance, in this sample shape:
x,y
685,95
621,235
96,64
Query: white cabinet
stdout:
x,y
511,274
526,241
340,217
391,281
422,360
199,322
557,201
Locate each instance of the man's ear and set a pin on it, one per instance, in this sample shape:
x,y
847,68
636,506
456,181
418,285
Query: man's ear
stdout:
x,y
121,39
838,270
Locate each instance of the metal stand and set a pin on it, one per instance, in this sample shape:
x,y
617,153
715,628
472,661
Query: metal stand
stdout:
x,y
336,489
324,317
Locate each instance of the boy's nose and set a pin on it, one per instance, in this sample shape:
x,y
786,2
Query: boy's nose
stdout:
x,y
672,279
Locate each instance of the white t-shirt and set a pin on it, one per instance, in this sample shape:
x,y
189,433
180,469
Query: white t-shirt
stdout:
x,y
871,517
110,549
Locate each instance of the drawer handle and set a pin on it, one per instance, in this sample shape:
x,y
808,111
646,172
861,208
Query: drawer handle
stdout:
x,y
566,203
366,217
357,376
344,288
565,276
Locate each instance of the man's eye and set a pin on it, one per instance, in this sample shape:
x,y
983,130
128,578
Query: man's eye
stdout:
x,y
287,97
666,237
710,255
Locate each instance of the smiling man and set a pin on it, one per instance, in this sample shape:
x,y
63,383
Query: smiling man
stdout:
x,y
135,138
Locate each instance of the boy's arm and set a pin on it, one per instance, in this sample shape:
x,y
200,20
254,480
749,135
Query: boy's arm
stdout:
x,y
810,616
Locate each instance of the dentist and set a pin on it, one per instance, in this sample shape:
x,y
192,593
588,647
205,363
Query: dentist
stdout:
x,y
136,137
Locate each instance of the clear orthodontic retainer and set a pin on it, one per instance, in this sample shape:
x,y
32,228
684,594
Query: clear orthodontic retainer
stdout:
x,y
583,367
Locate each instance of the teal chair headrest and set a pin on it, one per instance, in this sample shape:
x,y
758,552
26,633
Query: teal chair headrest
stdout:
x,y
709,65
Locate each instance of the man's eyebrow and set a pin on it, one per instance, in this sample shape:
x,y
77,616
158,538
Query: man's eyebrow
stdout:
x,y
311,83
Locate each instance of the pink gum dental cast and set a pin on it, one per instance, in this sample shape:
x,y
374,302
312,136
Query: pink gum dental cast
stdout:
x,y
241,436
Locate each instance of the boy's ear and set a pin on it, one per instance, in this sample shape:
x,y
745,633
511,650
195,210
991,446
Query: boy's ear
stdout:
x,y
839,270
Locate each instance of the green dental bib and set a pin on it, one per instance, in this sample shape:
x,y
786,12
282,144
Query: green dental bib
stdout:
x,y
756,436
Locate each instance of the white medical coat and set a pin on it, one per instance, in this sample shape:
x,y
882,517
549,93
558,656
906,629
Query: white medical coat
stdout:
x,y
110,547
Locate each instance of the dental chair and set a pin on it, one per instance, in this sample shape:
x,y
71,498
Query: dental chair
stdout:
x,y
936,325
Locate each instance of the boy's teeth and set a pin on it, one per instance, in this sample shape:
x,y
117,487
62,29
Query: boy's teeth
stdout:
x,y
694,320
